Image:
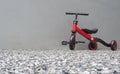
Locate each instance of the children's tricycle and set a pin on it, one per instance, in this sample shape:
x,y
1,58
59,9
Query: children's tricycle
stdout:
x,y
87,34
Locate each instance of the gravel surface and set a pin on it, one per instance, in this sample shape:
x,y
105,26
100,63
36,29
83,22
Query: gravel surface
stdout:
x,y
59,61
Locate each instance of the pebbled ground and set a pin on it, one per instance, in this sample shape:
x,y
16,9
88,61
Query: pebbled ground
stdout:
x,y
59,61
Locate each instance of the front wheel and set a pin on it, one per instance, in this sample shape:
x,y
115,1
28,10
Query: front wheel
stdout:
x,y
72,42
92,46
113,45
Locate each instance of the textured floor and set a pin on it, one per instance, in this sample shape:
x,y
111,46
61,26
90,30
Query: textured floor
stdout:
x,y
59,61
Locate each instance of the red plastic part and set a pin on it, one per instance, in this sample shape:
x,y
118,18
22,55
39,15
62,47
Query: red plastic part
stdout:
x,y
80,31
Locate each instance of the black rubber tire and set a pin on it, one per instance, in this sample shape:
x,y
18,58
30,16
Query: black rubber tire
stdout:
x,y
72,42
113,45
64,43
92,46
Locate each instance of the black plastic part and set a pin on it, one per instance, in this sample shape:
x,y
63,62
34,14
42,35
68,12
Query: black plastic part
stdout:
x,y
75,21
64,42
70,13
76,14
80,41
103,42
90,31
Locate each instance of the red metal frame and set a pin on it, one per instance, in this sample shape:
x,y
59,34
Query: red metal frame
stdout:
x,y
75,29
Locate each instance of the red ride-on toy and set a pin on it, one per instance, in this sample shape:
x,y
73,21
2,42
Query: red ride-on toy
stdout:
x,y
87,34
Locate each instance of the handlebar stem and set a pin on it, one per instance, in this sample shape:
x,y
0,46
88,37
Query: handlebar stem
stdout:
x,y
76,16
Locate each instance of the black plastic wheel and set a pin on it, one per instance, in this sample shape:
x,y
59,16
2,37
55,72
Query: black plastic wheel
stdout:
x,y
72,42
92,46
64,42
113,45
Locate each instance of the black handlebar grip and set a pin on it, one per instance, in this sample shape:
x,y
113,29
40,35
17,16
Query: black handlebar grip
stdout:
x,y
67,13
85,14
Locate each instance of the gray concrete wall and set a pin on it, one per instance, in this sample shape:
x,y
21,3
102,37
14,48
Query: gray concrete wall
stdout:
x,y
43,23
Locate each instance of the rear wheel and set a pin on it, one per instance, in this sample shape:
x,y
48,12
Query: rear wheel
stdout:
x,y
72,42
92,46
113,45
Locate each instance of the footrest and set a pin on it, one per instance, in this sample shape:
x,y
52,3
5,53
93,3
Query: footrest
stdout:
x,y
80,41
66,42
